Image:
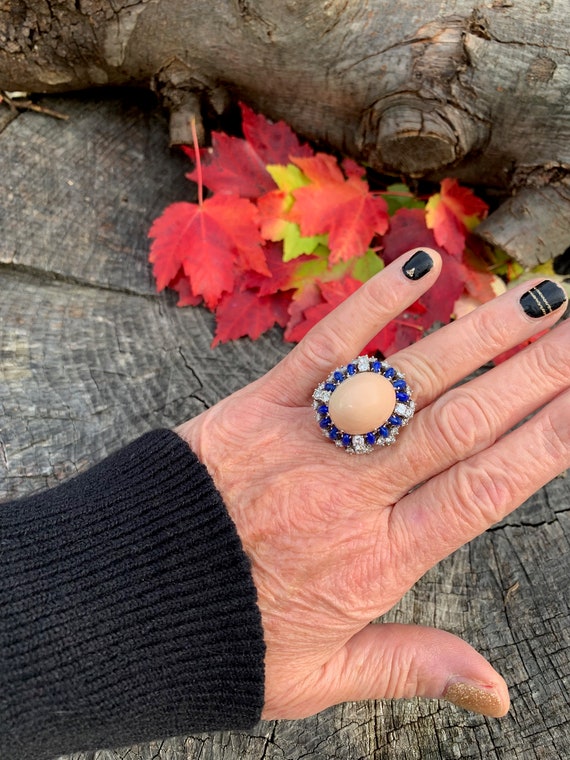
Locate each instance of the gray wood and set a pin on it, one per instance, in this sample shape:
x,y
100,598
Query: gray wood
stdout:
x,y
432,88
90,357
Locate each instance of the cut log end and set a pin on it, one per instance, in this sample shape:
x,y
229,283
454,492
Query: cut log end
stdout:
x,y
532,226
414,141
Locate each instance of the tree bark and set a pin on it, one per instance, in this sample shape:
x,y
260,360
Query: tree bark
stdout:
x,y
437,88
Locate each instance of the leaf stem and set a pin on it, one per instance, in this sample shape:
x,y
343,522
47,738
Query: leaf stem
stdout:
x,y
198,161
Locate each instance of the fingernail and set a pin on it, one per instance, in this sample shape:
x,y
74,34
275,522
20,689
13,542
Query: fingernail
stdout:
x,y
543,299
418,266
475,698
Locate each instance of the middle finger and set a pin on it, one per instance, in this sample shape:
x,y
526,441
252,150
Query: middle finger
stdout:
x,y
450,354
469,418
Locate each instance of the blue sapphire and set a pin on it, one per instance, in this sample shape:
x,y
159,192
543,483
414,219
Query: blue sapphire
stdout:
x,y
338,376
346,439
323,409
370,438
384,432
333,433
402,397
399,384
395,420
351,369
390,373
376,366
325,422
330,386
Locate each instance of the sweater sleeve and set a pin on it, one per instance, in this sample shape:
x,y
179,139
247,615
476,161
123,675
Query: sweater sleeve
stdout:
x,y
127,608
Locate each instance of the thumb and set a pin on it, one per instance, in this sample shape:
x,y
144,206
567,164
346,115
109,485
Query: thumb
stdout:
x,y
386,661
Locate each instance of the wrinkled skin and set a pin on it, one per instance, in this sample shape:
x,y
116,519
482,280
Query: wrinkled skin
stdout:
x,y
335,540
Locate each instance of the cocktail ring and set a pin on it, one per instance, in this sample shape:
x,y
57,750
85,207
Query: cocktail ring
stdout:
x,y
363,404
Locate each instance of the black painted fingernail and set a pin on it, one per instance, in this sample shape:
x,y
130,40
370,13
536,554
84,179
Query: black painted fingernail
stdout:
x,y
543,299
418,266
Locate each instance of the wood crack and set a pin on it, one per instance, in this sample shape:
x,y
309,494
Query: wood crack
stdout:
x,y
52,276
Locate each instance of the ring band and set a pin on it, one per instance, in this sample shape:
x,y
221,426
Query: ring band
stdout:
x,y
380,400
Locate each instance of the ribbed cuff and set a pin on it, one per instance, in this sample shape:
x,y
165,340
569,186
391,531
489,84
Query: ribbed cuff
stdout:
x,y
128,608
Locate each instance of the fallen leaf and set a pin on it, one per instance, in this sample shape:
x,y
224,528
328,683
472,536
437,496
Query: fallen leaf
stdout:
x,y
246,313
237,166
452,213
210,242
408,230
274,142
282,274
331,295
340,206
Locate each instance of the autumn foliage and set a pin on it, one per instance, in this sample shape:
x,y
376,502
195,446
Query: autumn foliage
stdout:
x,y
287,233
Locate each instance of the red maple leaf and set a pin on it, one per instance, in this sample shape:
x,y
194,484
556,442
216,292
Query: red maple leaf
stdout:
x,y
343,207
236,166
181,284
274,142
246,313
316,301
281,273
209,241
408,230
452,213
232,167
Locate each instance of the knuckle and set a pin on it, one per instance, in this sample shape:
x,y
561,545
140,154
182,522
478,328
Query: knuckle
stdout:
x,y
551,361
493,334
429,382
461,424
484,494
555,434
319,350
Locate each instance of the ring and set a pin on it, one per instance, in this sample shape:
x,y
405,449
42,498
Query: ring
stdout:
x,y
363,404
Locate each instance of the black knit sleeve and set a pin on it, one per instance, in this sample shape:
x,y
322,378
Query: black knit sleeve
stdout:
x,y
127,608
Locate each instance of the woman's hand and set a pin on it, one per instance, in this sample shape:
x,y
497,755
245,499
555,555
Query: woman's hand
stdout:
x,y
336,540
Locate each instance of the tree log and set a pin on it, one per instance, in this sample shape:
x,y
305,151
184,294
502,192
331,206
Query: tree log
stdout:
x,y
431,89
91,356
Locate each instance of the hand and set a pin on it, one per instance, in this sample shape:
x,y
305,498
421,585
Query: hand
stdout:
x,y
335,540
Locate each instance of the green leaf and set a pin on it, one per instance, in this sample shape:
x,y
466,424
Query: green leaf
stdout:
x,y
294,244
365,267
287,178
399,196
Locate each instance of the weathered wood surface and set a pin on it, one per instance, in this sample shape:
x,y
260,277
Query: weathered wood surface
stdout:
x,y
91,357
433,88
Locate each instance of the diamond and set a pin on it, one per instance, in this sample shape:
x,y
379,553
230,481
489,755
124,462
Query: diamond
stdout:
x,y
363,363
359,445
321,395
403,410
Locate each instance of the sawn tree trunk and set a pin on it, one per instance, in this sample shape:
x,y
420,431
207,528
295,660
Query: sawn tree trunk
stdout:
x,y
476,90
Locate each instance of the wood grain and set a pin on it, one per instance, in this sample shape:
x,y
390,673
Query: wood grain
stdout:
x,y
90,357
